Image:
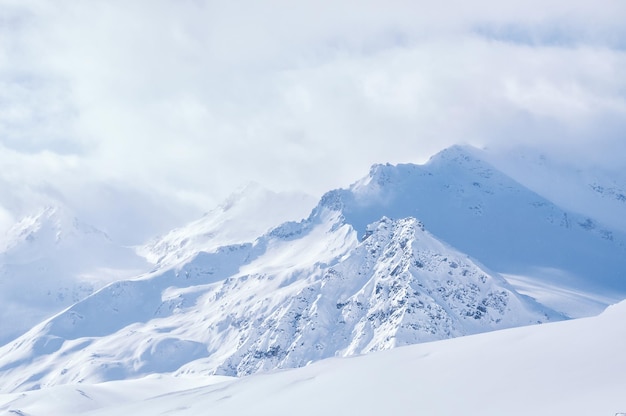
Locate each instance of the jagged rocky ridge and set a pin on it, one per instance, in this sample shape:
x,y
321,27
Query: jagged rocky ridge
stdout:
x,y
399,286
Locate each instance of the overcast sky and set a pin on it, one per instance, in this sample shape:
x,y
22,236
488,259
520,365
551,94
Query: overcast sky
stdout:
x,y
149,112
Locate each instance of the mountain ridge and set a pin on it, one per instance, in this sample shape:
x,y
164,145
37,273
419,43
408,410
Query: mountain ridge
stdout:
x,y
396,287
243,216
360,274
468,203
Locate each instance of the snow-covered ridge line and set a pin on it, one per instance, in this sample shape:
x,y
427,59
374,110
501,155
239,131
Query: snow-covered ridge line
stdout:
x,y
273,304
244,216
473,206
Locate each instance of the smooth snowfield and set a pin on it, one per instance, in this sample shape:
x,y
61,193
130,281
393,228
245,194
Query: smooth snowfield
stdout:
x,y
576,302
595,192
566,368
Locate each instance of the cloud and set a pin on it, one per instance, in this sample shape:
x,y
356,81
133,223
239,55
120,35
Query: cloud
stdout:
x,y
188,100
6,221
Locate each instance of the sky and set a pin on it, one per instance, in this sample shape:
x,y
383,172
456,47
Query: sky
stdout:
x,y
141,115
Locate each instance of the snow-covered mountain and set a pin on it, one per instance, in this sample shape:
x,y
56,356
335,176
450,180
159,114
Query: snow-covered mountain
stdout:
x,y
481,211
378,265
51,260
303,292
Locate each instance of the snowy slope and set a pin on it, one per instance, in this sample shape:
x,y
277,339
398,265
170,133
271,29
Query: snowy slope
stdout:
x,y
245,215
303,292
595,191
481,211
574,368
51,260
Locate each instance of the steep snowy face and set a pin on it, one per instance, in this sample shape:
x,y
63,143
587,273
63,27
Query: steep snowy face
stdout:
x,y
303,292
597,192
243,217
479,210
51,260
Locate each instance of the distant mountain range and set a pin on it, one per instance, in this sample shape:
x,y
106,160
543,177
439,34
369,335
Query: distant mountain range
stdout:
x,y
408,254
51,260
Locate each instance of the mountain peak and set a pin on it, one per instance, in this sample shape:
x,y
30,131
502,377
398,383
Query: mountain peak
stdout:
x,y
475,207
51,226
243,216
456,152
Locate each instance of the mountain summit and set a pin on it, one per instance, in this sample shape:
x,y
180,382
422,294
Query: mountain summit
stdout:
x,y
474,207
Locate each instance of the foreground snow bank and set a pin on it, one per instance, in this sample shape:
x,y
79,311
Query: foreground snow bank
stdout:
x,y
572,367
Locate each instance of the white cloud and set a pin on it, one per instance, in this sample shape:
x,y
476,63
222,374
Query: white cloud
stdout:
x,y
6,221
190,99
